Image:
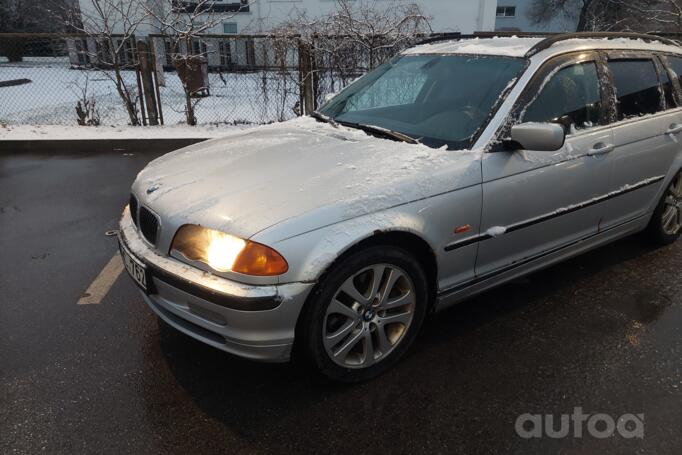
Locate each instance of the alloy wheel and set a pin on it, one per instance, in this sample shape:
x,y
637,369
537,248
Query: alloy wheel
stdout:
x,y
369,316
672,214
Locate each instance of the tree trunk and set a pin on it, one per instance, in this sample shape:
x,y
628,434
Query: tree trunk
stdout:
x,y
189,111
127,101
585,16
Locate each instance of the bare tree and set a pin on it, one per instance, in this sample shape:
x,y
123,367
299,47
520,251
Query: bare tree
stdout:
x,y
612,15
357,36
184,24
112,25
376,29
659,16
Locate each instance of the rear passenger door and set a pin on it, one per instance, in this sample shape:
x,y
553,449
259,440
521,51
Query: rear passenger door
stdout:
x,y
647,124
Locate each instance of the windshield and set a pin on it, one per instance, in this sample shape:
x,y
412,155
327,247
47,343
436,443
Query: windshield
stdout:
x,y
438,100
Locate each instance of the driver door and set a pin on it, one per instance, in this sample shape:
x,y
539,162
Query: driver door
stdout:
x,y
536,202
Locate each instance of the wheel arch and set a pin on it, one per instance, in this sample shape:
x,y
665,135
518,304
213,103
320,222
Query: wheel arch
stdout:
x,y
402,239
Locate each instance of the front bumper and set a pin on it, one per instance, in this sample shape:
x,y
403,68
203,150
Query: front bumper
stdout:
x,y
256,322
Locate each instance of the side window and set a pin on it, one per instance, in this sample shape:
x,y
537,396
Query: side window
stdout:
x,y
571,97
637,88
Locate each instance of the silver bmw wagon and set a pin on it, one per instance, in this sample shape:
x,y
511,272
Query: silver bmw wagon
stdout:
x,y
455,167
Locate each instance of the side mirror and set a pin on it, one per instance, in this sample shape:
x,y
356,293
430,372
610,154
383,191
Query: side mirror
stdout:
x,y
541,137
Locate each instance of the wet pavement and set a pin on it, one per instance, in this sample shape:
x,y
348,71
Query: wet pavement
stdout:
x,y
602,332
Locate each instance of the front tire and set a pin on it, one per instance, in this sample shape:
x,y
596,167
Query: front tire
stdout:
x,y
665,226
364,314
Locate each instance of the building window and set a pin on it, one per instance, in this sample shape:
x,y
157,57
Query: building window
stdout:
x,y
104,54
213,6
82,52
199,48
230,28
506,11
250,52
168,50
225,54
127,56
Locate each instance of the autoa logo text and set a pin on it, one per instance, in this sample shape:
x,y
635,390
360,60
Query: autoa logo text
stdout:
x,y
579,425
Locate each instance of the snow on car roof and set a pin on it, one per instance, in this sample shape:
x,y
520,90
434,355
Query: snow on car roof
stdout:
x,y
508,46
519,46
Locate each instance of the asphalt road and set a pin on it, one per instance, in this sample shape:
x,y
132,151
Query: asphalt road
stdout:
x,y
601,332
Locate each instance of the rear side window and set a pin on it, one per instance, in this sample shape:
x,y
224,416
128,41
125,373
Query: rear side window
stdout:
x,y
571,97
637,88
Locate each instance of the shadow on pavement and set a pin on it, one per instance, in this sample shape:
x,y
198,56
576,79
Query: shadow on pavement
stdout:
x,y
473,369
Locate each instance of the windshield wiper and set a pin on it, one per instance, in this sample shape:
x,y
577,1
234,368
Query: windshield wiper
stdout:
x,y
324,118
365,127
383,132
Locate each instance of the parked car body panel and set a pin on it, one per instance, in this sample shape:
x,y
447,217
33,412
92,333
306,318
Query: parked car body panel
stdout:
x,y
300,175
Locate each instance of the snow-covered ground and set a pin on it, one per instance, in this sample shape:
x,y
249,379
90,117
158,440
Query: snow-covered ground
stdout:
x,y
51,97
70,132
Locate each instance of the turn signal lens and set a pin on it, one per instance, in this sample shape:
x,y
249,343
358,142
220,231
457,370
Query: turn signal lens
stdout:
x,y
224,252
260,260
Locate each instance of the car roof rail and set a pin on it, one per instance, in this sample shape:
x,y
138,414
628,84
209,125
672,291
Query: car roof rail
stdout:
x,y
552,40
452,36
434,38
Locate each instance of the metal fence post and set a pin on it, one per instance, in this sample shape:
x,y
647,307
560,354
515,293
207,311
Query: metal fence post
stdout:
x,y
305,70
157,76
146,69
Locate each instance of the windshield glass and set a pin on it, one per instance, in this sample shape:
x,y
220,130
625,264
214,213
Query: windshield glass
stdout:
x,y
436,99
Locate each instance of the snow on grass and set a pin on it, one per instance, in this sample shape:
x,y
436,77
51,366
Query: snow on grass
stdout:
x,y
50,99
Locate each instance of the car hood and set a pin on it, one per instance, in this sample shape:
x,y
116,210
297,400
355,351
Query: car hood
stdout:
x,y
299,170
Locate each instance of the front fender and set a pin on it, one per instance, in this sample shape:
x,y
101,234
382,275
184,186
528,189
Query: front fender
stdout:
x,y
432,219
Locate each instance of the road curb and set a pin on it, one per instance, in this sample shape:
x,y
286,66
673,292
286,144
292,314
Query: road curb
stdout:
x,y
95,145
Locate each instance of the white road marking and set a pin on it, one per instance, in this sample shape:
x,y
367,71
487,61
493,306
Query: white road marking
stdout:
x,y
104,281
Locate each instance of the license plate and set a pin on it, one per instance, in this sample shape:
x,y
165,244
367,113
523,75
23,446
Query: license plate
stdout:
x,y
136,269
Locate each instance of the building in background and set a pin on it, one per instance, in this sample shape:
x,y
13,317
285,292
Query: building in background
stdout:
x,y
230,43
245,17
513,16
446,15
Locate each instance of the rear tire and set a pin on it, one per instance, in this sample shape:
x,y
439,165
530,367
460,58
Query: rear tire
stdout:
x,y
364,314
665,226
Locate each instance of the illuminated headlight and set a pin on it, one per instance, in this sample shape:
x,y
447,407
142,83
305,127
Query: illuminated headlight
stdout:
x,y
226,253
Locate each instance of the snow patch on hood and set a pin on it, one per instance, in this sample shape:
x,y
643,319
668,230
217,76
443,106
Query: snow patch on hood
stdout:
x,y
249,181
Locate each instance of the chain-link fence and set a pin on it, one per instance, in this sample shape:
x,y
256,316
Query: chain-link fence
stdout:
x,y
78,79
42,80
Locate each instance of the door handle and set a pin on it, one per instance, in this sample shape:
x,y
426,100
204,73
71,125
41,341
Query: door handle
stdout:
x,y
675,128
601,149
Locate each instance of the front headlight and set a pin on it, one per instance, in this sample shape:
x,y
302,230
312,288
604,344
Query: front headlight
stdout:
x,y
226,253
